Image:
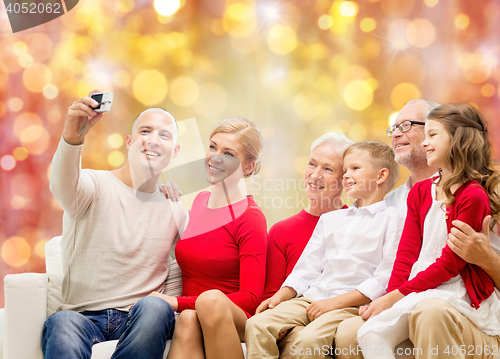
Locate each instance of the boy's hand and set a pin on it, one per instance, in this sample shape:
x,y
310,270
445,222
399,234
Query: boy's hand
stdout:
x,y
320,307
380,304
79,113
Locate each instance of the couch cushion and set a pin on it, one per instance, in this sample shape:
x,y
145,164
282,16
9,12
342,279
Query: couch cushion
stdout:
x,y
104,350
173,284
53,263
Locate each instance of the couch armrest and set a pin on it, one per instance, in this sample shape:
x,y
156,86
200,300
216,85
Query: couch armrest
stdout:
x,y
25,314
1,332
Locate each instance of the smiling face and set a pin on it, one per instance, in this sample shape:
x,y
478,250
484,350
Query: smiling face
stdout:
x,y
406,145
436,145
360,176
152,143
225,159
323,175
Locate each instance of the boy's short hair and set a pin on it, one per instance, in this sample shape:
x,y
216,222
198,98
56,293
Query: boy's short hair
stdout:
x,y
382,156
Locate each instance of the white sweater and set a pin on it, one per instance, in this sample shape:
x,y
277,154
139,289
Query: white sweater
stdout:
x,y
115,240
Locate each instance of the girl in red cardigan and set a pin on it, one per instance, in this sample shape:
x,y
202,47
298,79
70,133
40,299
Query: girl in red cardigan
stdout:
x,y
456,141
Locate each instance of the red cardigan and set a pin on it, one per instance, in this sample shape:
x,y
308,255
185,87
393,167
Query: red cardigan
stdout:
x,y
471,206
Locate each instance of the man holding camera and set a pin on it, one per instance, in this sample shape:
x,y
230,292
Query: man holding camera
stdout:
x,y
118,229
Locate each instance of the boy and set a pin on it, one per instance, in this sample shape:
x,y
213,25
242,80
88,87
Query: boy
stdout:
x,y
346,263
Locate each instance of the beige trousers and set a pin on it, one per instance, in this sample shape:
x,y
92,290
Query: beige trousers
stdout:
x,y
438,331
314,341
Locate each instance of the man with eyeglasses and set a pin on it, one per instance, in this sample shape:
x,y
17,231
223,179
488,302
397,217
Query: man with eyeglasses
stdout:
x,y
407,134
435,324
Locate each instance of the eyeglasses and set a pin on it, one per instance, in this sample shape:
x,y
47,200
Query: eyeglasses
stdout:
x,y
403,126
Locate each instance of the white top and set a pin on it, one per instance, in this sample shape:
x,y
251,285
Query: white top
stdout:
x,y
115,240
349,249
394,320
397,197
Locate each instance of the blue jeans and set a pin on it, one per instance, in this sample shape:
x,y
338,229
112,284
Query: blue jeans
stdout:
x,y
142,332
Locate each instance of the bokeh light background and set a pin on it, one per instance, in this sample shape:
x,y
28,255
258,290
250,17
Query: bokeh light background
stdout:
x,y
297,68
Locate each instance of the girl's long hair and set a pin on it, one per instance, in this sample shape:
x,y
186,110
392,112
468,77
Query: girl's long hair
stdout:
x,y
469,154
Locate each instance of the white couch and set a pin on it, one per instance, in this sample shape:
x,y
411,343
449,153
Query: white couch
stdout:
x,y
31,297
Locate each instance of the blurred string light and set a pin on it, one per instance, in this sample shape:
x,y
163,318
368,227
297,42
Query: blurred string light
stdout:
x,y
16,251
348,8
115,140
392,118
325,22
167,7
281,39
240,20
431,3
50,91
368,24
15,104
488,90
150,87
8,162
462,21
20,153
271,12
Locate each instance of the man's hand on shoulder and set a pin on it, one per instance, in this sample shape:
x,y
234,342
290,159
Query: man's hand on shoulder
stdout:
x,y
80,114
171,191
473,247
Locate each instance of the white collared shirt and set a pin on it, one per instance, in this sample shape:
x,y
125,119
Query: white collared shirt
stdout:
x,y
349,249
397,198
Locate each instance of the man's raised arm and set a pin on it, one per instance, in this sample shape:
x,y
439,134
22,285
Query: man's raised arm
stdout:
x,y
71,191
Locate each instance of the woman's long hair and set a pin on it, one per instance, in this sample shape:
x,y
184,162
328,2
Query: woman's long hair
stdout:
x,y
469,154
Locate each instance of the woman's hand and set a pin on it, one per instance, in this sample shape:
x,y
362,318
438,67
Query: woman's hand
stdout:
x,y
171,191
268,304
167,298
281,295
380,304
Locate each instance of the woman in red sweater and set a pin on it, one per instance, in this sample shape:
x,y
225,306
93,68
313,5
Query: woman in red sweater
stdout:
x,y
222,252
288,238
456,141
323,185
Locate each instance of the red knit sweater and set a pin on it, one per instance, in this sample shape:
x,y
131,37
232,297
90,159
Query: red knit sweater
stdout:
x,y
471,205
224,249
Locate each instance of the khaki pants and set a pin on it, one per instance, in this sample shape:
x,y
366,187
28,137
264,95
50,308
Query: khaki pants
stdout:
x,y
314,341
438,331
